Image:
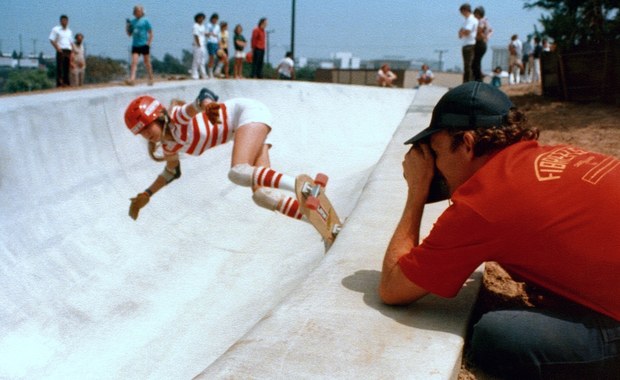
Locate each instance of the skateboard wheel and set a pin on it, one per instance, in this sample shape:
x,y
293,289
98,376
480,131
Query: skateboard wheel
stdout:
x,y
321,179
312,203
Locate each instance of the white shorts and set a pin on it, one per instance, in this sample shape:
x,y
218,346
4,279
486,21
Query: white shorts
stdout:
x,y
239,54
242,111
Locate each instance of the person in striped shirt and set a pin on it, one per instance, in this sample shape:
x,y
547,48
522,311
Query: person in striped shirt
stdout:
x,y
192,128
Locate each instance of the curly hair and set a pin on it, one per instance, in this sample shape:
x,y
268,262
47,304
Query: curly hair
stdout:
x,y
491,139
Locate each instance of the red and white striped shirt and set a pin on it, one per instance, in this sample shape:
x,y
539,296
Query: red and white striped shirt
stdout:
x,y
195,135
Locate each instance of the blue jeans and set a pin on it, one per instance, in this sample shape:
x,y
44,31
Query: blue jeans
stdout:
x,y
543,344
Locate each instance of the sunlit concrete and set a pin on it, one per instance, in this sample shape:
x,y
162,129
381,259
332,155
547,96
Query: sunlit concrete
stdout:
x,y
86,292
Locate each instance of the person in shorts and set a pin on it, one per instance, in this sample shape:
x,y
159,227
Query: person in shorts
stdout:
x,y
141,33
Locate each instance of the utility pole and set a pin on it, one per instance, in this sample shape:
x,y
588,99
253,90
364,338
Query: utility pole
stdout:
x,y
34,47
441,52
293,30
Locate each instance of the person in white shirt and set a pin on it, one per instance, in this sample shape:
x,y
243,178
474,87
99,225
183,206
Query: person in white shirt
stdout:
x,y
286,68
61,39
199,47
385,76
467,34
515,64
425,75
213,41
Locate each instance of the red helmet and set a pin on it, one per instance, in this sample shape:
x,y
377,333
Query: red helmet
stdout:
x,y
141,112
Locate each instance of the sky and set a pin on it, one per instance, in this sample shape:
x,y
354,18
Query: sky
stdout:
x,y
408,29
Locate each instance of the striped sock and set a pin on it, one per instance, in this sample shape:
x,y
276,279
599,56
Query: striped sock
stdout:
x,y
270,178
290,207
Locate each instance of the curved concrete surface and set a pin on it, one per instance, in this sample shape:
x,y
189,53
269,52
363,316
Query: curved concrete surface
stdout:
x,y
334,326
88,293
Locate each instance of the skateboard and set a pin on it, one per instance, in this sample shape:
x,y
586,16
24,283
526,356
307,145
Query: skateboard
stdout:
x,y
316,206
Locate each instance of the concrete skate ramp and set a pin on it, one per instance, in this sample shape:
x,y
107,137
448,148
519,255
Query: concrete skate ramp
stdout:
x,y
86,292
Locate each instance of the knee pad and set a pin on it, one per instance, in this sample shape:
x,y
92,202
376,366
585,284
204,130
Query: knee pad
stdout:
x,y
241,175
267,198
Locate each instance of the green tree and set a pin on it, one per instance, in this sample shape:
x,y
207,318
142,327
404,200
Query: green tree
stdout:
x,y
187,58
21,80
169,65
103,69
580,23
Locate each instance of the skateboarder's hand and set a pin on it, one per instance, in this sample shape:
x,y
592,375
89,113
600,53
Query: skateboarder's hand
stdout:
x,y
137,203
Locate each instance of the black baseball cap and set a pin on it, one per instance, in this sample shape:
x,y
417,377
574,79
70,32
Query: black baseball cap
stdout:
x,y
469,106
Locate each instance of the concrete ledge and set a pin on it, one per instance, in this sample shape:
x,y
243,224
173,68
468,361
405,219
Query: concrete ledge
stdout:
x,y
334,325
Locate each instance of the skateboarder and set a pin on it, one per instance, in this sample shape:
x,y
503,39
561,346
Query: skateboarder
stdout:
x,y
193,128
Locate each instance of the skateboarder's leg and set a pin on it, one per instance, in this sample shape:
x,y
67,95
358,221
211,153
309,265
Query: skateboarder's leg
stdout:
x,y
250,160
272,199
250,167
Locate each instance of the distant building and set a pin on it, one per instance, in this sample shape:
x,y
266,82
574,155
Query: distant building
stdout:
x,y
500,57
28,62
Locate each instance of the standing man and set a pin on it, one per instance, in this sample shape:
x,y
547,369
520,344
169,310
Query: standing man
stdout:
x,y
139,29
199,46
213,40
537,54
547,214
61,39
258,43
467,34
515,64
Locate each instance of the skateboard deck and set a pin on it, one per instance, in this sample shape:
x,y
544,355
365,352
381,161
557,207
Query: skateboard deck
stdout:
x,y
316,206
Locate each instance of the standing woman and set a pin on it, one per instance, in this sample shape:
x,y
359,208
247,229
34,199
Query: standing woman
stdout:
x,y
195,127
222,52
240,43
482,38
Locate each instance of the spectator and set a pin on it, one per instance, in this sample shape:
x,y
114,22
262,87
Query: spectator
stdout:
x,y
213,41
222,52
537,54
467,34
496,79
199,47
61,39
286,68
515,64
385,76
240,43
141,33
425,75
547,214
482,38
78,61
527,59
259,43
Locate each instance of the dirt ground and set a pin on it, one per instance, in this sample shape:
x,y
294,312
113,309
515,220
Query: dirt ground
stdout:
x,y
592,126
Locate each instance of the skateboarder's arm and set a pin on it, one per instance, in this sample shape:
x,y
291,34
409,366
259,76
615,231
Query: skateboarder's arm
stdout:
x,y
171,171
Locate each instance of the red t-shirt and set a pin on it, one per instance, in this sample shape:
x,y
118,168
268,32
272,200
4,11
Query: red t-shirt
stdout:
x,y
259,39
548,214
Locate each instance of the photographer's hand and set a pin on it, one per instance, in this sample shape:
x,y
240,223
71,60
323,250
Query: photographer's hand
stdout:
x,y
418,169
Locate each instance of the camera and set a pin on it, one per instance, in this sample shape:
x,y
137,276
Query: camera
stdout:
x,y
438,190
